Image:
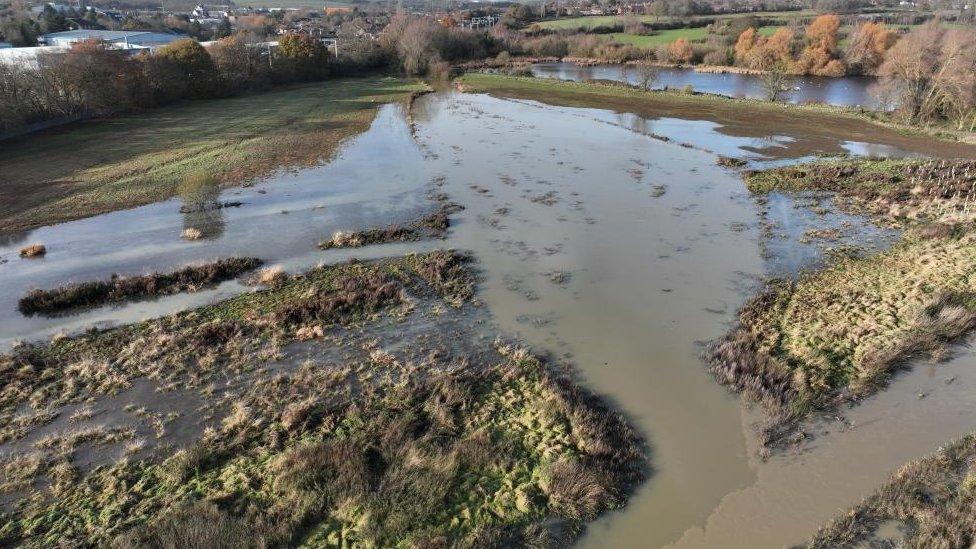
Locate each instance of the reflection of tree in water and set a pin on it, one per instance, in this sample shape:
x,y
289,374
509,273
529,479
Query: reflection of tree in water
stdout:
x,y
634,123
202,209
9,239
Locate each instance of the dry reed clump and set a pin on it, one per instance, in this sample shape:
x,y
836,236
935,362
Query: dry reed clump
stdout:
x,y
449,273
933,500
191,233
120,289
272,275
351,295
34,250
428,226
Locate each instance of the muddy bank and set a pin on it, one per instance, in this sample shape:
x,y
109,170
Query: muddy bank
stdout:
x,y
492,450
926,503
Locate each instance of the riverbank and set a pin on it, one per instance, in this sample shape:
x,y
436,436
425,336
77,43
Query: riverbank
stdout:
x,y
926,503
818,128
838,334
95,167
304,415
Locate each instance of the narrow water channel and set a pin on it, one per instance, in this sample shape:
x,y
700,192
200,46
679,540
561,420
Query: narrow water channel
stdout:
x,y
614,251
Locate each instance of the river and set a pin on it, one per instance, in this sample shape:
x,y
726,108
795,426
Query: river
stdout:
x,y
617,252
849,91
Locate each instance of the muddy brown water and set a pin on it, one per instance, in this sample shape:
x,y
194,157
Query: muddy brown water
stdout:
x,y
614,251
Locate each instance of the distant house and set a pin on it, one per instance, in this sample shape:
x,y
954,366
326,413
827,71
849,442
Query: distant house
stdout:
x,y
120,39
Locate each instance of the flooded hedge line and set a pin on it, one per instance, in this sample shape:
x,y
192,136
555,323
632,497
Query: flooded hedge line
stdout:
x,y
120,289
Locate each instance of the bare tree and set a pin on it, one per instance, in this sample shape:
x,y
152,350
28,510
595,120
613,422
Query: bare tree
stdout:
x,y
647,76
931,71
776,80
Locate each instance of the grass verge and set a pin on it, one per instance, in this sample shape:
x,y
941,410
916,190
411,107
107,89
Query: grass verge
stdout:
x,y
100,166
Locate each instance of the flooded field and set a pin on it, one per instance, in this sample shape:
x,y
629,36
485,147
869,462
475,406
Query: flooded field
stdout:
x,y
612,250
849,91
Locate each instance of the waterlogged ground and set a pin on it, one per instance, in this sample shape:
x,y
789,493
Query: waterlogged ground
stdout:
x,y
614,250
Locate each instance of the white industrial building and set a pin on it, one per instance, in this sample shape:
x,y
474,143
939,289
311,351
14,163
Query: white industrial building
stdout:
x,y
119,39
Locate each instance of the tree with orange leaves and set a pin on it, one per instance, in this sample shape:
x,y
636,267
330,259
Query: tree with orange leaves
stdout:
x,y
822,33
745,43
819,57
680,51
765,52
867,47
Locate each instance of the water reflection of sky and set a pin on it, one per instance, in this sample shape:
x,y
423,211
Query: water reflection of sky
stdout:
x,y
379,177
846,91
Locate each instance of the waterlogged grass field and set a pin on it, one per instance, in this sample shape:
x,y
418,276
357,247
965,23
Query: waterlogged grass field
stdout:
x,y
99,166
378,453
841,331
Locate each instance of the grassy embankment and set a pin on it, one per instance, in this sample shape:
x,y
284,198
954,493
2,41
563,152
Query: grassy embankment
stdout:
x,y
815,128
930,502
99,166
378,453
839,333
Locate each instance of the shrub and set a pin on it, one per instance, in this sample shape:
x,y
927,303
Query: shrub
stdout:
x,y
196,65
301,57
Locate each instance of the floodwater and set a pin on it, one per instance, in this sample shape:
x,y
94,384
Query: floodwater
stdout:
x,y
849,91
611,249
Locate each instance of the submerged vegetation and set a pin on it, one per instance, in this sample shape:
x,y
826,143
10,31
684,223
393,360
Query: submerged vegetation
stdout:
x,y
838,333
930,502
119,289
428,226
374,451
